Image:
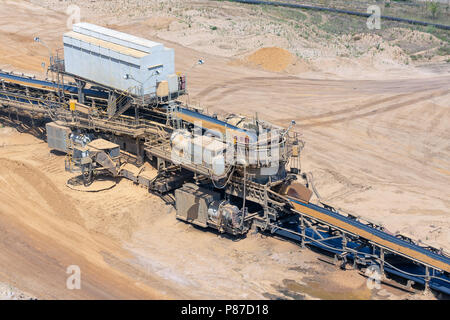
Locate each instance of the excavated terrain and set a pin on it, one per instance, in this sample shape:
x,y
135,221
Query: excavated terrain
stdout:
x,y
377,142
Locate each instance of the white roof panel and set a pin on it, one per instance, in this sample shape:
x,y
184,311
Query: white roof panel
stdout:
x,y
119,37
105,44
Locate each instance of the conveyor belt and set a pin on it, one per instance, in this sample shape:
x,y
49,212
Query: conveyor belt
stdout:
x,y
184,114
410,260
210,123
407,270
48,85
374,235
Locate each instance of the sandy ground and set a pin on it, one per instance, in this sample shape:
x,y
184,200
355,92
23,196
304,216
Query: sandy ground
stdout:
x,y
377,147
8,292
128,243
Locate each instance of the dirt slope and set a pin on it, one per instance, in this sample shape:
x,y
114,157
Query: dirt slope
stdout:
x,y
38,230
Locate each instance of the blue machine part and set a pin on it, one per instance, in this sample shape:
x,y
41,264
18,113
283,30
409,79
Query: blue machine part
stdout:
x,y
401,266
51,86
213,124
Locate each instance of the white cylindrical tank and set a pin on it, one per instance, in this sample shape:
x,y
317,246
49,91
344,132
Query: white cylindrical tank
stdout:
x,y
181,143
218,165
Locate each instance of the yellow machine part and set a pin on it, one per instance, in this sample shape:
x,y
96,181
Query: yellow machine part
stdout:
x,y
163,89
297,191
72,104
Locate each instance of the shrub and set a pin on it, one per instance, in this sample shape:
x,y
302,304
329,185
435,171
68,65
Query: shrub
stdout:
x,y
433,8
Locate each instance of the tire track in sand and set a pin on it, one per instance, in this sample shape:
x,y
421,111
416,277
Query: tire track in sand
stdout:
x,y
388,108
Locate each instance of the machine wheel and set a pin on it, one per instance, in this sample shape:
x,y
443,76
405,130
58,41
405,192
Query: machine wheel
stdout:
x,y
87,173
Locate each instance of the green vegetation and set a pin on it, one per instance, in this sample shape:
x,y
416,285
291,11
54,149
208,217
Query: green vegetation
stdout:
x,y
443,51
328,25
316,17
284,14
343,24
433,8
443,35
408,9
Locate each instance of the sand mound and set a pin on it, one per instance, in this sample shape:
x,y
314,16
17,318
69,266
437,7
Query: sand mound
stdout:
x,y
416,37
27,186
272,59
159,23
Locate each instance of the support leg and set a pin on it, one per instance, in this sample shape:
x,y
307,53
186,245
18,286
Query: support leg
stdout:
x,y
138,151
136,112
382,261
302,227
427,280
